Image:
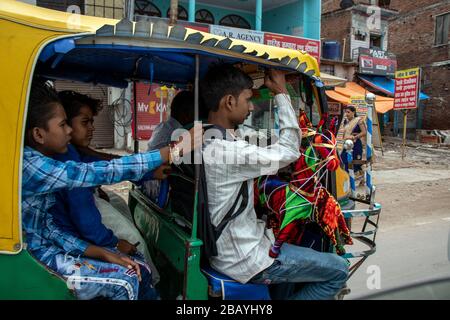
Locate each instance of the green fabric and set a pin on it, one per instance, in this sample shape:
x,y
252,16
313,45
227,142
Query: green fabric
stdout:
x,y
310,159
293,212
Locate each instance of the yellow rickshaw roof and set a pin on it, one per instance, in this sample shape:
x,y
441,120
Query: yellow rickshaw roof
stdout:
x,y
68,23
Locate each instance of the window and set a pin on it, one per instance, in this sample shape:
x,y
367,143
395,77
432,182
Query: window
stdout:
x,y
61,5
384,3
360,35
204,16
375,41
182,13
146,8
236,21
441,35
104,8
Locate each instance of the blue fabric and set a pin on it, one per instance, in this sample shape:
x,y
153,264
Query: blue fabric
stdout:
x,y
90,278
163,193
75,211
233,290
385,85
43,176
323,274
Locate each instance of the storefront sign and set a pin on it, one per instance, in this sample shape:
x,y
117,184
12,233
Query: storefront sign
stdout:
x,y
377,62
334,108
360,104
311,46
152,108
237,33
407,84
194,25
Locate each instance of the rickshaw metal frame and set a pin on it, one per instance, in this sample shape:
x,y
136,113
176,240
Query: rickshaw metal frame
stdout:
x,y
53,26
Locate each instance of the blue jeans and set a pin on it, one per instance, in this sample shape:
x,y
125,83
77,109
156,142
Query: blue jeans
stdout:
x,y
91,278
323,274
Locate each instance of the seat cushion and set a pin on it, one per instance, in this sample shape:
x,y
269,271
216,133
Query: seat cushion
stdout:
x,y
229,289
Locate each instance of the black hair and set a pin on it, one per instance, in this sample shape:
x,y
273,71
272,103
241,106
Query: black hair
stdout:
x,y
183,104
220,80
41,107
351,108
73,101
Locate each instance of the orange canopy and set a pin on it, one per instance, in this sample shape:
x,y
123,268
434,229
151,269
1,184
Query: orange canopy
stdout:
x,y
343,95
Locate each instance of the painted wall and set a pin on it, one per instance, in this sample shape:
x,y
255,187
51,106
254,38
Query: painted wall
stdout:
x,y
300,18
287,19
217,12
361,23
312,16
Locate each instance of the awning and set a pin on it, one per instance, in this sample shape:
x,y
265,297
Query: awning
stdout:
x,y
332,81
343,95
385,85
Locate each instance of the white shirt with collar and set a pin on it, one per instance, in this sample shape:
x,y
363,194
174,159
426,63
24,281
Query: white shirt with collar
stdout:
x,y
243,247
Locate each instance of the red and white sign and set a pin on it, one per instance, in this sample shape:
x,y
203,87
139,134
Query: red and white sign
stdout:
x,y
194,25
377,62
407,84
151,109
311,46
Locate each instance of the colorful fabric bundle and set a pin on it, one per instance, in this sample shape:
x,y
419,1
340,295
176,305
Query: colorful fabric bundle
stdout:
x,y
291,204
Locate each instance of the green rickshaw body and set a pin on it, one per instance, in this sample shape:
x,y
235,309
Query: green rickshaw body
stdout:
x,y
29,34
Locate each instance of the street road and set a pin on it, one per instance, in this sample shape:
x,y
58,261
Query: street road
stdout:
x,y
412,242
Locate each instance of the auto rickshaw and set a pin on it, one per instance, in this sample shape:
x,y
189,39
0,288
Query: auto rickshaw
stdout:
x,y
58,45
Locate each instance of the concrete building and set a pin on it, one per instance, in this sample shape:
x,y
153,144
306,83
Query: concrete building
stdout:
x,y
287,23
354,32
419,36
414,33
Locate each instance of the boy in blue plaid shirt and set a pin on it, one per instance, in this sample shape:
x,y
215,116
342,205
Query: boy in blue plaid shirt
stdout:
x,y
91,271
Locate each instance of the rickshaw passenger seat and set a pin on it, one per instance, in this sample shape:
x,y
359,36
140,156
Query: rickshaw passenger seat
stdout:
x,y
163,193
223,286
182,190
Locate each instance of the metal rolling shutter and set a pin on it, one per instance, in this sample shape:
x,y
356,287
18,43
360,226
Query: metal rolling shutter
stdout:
x,y
104,129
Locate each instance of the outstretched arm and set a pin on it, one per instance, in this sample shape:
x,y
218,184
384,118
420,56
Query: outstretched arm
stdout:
x,y
43,175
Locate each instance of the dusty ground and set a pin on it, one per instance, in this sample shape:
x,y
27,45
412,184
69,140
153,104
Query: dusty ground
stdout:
x,y
413,190
413,237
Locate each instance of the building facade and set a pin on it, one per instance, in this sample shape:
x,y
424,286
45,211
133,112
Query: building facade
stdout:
x,y
415,32
420,37
286,23
355,40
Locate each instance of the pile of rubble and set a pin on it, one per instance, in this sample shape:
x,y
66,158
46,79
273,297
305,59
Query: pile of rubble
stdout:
x,y
434,136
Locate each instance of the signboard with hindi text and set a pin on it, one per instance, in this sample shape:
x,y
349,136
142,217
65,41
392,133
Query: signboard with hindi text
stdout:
x,y
407,83
311,46
360,104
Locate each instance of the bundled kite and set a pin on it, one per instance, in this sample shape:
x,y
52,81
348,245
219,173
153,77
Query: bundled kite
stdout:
x,y
292,203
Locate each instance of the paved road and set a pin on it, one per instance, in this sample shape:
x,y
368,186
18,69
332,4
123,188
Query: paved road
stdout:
x,y
413,239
